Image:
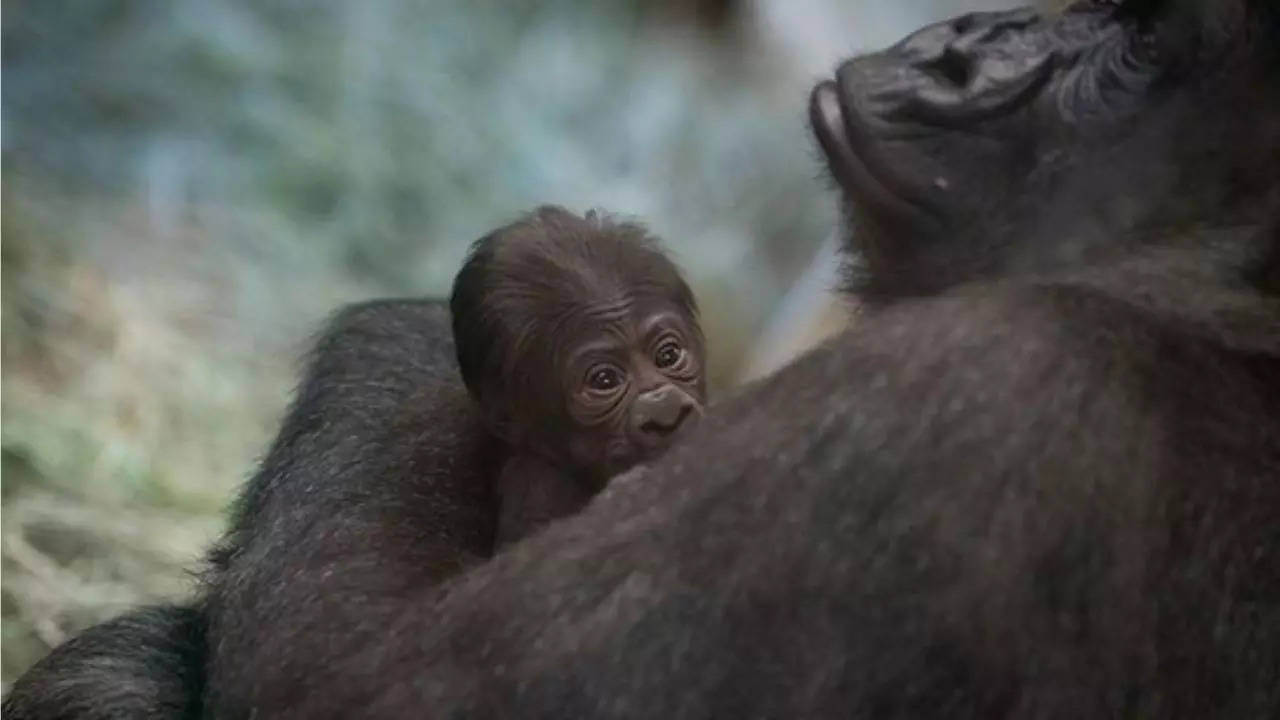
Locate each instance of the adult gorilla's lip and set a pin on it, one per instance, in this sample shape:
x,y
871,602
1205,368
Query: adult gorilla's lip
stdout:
x,y
827,120
830,125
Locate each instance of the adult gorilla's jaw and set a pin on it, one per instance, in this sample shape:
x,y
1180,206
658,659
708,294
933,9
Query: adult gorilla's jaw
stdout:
x,y
827,116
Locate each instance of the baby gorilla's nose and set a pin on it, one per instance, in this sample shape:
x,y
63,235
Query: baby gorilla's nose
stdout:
x,y
659,413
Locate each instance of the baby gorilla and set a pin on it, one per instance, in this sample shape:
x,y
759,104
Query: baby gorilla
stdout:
x,y
580,342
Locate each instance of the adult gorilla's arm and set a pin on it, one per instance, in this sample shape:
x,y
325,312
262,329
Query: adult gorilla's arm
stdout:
x,y
147,664
381,389
376,483
375,486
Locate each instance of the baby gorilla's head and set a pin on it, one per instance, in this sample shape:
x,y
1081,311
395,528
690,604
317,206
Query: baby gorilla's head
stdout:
x,y
579,339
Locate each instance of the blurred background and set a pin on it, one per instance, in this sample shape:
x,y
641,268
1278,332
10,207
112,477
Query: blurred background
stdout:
x,y
191,186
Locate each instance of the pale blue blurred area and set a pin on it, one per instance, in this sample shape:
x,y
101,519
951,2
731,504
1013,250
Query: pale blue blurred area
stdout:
x,y
190,186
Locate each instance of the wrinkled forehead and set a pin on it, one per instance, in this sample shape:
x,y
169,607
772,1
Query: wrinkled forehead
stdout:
x,y
626,316
553,293
578,316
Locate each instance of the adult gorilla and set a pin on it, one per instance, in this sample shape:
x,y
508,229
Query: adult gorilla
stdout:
x,y
1041,478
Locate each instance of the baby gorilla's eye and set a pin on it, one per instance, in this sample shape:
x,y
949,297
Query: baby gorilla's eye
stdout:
x,y
604,377
669,353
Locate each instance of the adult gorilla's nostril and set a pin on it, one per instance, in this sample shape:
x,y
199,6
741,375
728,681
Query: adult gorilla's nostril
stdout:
x,y
950,52
658,413
952,66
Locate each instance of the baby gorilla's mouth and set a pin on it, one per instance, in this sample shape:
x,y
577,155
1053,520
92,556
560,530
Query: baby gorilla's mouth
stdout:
x,y
663,431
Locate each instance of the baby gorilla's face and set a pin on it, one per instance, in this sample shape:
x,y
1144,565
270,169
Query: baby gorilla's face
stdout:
x,y
631,378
